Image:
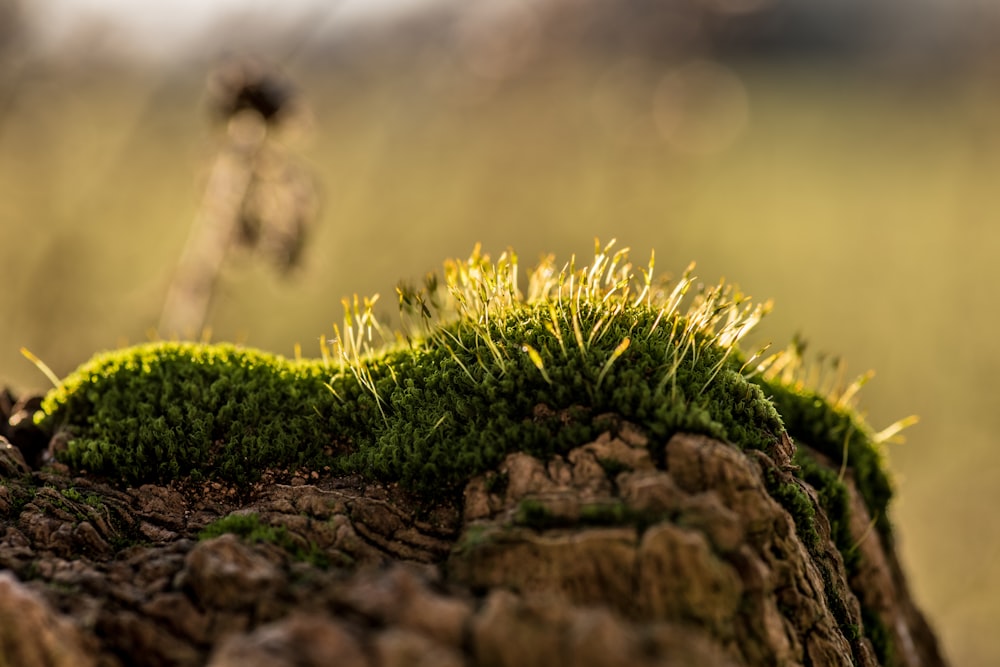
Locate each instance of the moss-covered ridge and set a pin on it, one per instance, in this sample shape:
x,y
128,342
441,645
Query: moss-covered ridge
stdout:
x,y
164,410
460,389
480,370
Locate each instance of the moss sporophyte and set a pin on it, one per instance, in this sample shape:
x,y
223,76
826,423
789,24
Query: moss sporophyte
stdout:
x,y
457,387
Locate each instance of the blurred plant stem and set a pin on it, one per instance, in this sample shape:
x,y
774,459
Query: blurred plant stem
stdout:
x,y
185,310
256,196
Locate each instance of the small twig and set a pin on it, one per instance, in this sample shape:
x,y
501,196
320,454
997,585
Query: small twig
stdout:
x,y
186,307
255,197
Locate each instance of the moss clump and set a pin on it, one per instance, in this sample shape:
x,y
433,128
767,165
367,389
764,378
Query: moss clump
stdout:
x,y
496,482
460,390
607,514
462,387
534,514
166,410
91,499
458,396
20,495
835,501
838,433
796,501
447,408
251,528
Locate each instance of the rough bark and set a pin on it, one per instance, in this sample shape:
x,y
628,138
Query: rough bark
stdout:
x,y
624,551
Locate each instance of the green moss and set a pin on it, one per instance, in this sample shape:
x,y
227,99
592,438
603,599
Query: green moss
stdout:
x,y
797,502
881,638
21,495
250,528
836,432
835,501
446,412
166,410
607,514
474,537
435,413
496,482
91,499
612,467
534,514
452,395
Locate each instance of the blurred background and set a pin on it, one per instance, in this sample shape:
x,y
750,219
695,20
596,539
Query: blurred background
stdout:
x,y
840,156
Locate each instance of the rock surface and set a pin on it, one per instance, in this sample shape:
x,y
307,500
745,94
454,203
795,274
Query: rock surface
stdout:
x,y
623,551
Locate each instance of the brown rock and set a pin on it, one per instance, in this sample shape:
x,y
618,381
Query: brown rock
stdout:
x,y
527,476
481,501
12,463
149,643
680,578
161,505
226,573
33,635
599,557
176,611
881,587
629,449
651,492
298,641
403,648
594,566
511,631
400,596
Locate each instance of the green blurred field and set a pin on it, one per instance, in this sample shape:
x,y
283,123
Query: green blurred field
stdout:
x,y
865,206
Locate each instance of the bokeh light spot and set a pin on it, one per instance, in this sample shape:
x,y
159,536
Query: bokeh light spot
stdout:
x,y
701,108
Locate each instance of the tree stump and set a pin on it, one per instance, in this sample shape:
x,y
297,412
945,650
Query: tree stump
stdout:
x,y
623,551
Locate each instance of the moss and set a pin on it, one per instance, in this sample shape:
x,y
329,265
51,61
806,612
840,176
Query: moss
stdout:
x,y
91,499
835,500
881,638
166,410
496,482
58,504
797,503
452,395
251,528
72,494
612,466
21,495
836,432
449,404
534,514
435,413
474,537
607,514
436,423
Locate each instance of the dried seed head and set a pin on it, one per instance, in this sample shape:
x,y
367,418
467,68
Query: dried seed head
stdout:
x,y
247,84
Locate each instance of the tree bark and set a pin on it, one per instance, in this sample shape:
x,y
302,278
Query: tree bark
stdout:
x,y
623,551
